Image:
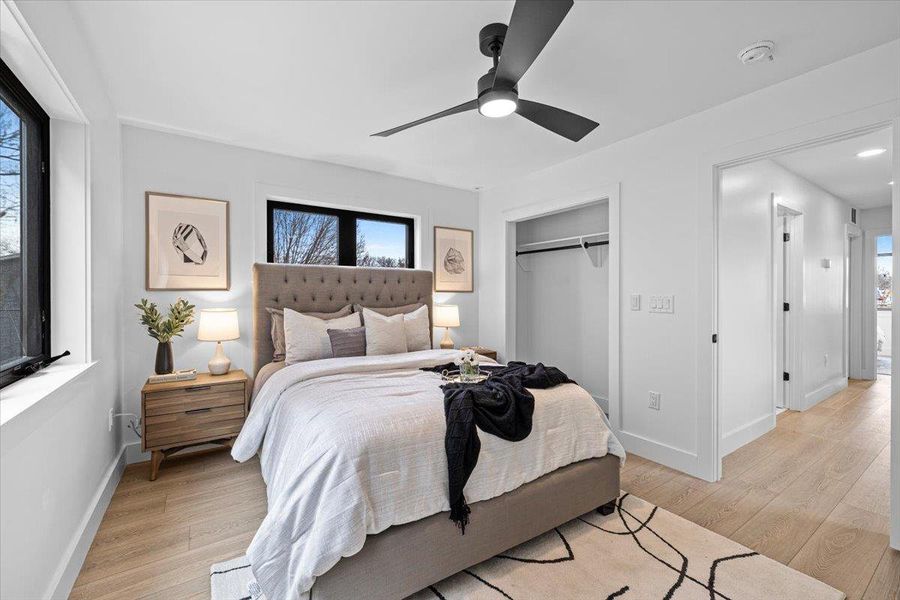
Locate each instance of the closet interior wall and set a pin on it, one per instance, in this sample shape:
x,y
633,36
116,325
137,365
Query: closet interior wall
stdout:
x,y
562,297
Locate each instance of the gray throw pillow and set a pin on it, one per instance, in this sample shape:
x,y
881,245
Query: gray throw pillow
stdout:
x,y
277,317
348,342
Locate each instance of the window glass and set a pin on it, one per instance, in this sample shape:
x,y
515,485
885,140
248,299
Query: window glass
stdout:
x,y
380,244
11,193
884,271
304,237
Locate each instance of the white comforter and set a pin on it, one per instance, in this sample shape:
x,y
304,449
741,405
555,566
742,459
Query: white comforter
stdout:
x,y
352,446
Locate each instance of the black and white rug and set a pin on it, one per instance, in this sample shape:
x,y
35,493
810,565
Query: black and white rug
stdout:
x,y
639,552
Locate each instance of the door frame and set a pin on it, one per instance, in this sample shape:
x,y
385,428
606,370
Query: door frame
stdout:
x,y
851,232
794,325
848,125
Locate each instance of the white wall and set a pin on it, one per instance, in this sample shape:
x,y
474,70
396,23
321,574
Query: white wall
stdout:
x,y
746,312
57,465
661,190
163,162
562,312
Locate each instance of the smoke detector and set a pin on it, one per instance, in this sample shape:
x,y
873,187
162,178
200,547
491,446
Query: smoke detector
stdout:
x,y
757,52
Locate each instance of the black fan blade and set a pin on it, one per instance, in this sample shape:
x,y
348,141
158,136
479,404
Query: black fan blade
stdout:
x,y
531,26
470,105
569,125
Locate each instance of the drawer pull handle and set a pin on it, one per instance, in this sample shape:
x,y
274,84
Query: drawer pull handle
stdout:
x,y
198,388
197,410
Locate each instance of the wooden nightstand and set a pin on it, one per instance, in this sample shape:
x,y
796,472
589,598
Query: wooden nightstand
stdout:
x,y
179,414
481,350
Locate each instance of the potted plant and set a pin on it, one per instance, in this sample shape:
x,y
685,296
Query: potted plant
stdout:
x,y
181,314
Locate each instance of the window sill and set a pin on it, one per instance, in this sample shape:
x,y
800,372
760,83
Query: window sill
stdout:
x,y
20,397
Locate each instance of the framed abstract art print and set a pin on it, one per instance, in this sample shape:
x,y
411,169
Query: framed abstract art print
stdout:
x,y
187,243
453,260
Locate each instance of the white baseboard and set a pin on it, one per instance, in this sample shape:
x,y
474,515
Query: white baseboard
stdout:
x,y
745,434
602,401
670,456
829,388
68,570
133,453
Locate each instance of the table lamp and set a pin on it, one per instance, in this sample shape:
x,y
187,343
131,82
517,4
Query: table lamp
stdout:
x,y
446,315
218,325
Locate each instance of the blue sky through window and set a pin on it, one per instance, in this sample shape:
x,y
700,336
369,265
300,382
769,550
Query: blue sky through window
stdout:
x,y
383,239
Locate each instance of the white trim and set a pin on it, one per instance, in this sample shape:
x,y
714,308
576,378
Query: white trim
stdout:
x,y
851,230
832,129
746,433
73,559
827,389
39,50
895,334
664,454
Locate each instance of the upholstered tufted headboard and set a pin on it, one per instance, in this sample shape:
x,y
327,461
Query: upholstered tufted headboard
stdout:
x,y
315,288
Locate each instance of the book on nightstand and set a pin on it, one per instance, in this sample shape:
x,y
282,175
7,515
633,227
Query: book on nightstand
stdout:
x,y
182,375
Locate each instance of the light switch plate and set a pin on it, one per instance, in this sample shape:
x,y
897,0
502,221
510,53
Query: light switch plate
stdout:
x,y
635,302
662,304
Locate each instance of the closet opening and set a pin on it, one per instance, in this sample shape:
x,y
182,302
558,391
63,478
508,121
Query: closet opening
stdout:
x,y
562,294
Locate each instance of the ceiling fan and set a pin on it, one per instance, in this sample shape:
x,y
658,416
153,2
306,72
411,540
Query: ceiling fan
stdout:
x,y
514,48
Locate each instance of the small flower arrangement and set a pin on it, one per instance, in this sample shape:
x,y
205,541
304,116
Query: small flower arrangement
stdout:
x,y
468,365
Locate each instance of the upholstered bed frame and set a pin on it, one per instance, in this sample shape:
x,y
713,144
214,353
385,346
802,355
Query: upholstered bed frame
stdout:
x,y
407,558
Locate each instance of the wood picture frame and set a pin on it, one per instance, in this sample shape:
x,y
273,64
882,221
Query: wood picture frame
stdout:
x,y
187,243
454,259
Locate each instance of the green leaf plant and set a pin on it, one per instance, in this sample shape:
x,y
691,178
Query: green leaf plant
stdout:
x,y
181,314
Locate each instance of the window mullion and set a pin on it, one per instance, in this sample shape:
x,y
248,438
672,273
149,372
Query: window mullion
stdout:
x,y
347,240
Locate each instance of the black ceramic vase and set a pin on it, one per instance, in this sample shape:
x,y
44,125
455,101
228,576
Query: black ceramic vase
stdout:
x,y
165,360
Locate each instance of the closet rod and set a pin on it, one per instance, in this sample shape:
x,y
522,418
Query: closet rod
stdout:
x,y
571,247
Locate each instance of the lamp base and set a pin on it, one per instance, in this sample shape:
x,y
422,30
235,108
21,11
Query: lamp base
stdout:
x,y
219,364
446,341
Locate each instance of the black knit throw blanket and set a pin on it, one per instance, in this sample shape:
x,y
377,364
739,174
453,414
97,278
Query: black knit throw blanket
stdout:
x,y
501,405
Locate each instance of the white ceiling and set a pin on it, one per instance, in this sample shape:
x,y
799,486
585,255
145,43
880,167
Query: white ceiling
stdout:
x,y
862,182
314,79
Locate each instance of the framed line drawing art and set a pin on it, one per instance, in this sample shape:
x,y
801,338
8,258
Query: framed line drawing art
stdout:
x,y
187,243
454,266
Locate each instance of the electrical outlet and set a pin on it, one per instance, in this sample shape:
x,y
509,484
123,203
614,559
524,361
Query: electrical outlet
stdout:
x,y
635,302
654,400
109,421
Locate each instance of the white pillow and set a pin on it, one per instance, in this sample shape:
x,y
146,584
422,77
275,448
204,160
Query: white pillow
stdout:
x,y
306,338
384,335
418,331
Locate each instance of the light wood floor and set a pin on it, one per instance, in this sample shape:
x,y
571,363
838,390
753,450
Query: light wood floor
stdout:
x,y
812,494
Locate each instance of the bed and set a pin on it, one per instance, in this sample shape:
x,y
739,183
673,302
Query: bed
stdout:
x,y
351,452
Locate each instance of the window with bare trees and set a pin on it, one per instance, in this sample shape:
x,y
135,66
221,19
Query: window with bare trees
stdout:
x,y
24,230
315,235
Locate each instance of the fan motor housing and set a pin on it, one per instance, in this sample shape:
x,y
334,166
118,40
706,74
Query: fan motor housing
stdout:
x,y
490,36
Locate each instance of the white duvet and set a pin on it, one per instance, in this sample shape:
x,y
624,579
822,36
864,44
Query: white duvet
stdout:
x,y
352,446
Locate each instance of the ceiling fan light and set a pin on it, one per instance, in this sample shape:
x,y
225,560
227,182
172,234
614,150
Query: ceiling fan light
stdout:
x,y
498,107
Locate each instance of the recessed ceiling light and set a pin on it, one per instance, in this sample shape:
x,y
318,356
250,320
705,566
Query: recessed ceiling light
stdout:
x,y
871,152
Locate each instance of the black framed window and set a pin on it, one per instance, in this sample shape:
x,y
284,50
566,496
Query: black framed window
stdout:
x,y
24,229
315,235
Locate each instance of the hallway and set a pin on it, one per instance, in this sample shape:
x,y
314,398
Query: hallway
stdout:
x,y
813,493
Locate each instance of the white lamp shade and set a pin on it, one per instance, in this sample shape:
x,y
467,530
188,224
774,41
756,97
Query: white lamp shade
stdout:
x,y
446,315
218,325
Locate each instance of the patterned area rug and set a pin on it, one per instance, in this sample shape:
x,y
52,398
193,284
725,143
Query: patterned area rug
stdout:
x,y
640,552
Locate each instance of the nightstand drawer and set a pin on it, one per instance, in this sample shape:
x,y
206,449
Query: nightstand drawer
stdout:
x,y
193,397
193,424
